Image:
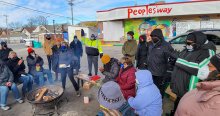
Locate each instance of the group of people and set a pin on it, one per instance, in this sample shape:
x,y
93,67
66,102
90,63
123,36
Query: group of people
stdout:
x,y
130,89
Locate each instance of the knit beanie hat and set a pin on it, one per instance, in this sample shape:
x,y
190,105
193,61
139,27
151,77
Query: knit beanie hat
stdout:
x,y
215,60
30,50
130,33
105,59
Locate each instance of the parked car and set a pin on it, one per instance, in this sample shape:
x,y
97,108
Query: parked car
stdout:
x,y
213,35
28,42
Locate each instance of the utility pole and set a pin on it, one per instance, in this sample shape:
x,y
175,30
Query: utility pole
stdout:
x,y
6,21
70,2
54,31
135,3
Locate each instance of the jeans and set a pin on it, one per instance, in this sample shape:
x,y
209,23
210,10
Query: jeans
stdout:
x,y
69,71
40,76
4,94
49,59
77,65
27,81
92,60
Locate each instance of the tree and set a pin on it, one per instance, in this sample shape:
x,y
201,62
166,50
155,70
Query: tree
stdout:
x,y
15,25
36,21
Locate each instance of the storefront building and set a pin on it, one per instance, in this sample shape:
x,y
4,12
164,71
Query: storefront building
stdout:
x,y
172,18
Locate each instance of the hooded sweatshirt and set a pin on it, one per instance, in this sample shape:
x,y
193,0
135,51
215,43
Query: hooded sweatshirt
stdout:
x,y
184,76
148,101
204,102
157,57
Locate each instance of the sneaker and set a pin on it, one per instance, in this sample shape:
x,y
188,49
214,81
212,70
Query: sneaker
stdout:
x,y
20,101
89,74
5,108
78,93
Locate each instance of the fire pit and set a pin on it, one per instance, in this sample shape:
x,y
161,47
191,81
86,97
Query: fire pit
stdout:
x,y
44,100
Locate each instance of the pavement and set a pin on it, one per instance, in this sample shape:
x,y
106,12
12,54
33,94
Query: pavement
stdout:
x,y
75,105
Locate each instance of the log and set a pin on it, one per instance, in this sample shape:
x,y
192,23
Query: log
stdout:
x,y
41,94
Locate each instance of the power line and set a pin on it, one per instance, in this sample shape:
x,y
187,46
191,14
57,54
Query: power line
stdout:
x,y
36,10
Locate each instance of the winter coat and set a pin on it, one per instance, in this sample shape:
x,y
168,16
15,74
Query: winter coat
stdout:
x,y
141,55
111,70
126,81
48,44
157,57
187,65
55,58
5,75
16,69
67,58
148,101
77,48
130,48
32,61
201,102
4,54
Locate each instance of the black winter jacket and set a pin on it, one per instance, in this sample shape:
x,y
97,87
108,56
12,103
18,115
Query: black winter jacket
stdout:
x,y
141,56
4,54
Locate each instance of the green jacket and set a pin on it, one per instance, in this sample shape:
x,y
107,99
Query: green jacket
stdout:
x,y
92,43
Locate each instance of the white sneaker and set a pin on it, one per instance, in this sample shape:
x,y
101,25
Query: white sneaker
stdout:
x,y
5,108
20,101
78,93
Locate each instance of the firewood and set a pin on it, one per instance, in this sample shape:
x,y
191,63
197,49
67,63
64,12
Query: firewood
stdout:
x,y
47,98
41,94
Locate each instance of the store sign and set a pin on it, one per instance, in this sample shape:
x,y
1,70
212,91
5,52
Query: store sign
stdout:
x,y
148,10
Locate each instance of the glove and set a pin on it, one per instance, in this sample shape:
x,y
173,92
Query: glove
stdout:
x,y
101,55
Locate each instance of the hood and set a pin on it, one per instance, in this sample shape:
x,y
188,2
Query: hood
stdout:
x,y
158,33
142,37
144,78
209,45
200,37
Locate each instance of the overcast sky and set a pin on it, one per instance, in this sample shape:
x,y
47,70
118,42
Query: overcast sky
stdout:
x,y
84,10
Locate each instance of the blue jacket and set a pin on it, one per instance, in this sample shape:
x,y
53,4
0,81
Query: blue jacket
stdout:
x,y
77,48
67,57
148,101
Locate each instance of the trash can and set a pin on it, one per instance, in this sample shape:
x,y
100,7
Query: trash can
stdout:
x,y
37,44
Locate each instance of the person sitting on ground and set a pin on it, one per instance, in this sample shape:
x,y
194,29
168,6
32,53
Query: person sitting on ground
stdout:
x,y
6,82
55,58
148,101
126,78
17,66
111,68
66,66
203,101
35,65
112,101
4,52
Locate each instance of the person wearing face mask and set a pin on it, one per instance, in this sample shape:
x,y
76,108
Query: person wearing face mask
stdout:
x,y
195,56
141,56
17,66
126,78
48,44
93,50
35,66
66,66
76,47
157,62
204,100
4,52
130,46
55,57
148,101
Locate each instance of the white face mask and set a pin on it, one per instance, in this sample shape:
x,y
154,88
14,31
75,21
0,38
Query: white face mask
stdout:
x,y
203,72
189,48
33,54
137,82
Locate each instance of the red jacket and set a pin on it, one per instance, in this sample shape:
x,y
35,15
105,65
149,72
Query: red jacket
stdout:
x,y
126,81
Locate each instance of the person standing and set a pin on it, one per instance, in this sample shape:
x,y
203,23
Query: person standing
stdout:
x,y
77,49
196,55
203,101
66,67
93,50
126,78
110,69
48,44
130,46
55,58
17,66
142,51
157,62
6,82
35,66
4,52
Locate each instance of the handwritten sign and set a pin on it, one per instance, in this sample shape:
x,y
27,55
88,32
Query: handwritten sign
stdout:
x,y
144,11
